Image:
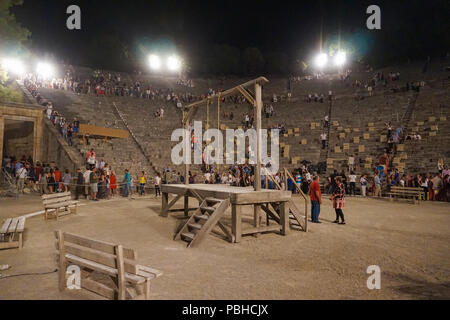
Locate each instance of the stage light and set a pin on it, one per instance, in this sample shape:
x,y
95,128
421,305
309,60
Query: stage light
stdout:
x,y
45,70
14,66
340,58
321,60
155,62
173,63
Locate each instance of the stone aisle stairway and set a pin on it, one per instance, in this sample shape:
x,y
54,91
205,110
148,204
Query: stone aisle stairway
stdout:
x,y
152,134
430,120
120,154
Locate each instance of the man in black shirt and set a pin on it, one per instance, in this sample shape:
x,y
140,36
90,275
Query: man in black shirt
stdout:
x,y
333,181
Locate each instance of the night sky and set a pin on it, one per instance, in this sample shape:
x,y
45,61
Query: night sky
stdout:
x,y
415,28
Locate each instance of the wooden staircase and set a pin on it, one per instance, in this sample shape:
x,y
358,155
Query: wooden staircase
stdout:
x,y
204,219
297,219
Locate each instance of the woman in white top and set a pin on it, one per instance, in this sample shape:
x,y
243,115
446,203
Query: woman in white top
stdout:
x,y
91,161
107,170
424,185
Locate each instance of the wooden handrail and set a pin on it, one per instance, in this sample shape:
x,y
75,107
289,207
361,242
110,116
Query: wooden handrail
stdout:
x,y
270,176
289,174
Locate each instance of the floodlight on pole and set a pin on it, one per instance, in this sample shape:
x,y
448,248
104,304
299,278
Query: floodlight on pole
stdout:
x,y
45,70
173,63
321,60
155,62
340,58
14,66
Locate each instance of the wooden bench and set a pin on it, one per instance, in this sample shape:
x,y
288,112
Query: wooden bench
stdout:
x,y
123,278
11,233
406,192
57,201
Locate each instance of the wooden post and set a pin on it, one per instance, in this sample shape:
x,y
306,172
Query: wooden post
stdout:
x,y
2,129
218,112
20,241
121,285
207,135
186,162
218,121
284,218
236,222
306,215
62,261
207,114
187,147
285,180
256,217
258,109
165,204
186,206
147,289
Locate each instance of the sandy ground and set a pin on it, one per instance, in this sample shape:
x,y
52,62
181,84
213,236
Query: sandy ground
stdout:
x,y
410,243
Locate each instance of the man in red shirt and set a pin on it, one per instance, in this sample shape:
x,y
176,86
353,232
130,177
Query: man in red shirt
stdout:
x,y
316,199
57,179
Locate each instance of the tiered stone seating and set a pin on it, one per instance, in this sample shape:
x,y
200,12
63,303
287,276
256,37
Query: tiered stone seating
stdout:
x,y
360,127
356,126
120,154
430,121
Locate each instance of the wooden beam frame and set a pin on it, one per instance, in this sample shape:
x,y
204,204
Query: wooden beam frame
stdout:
x,y
195,105
190,110
246,95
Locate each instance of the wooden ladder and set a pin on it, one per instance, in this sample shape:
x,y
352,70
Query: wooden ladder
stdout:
x,y
204,219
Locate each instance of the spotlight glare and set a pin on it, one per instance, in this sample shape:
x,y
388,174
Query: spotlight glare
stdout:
x,y
340,58
321,60
14,66
173,63
45,70
155,62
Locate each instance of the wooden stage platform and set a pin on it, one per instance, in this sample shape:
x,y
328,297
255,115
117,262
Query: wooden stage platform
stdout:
x,y
272,203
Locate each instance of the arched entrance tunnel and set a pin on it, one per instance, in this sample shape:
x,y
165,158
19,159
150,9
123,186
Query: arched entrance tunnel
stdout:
x,y
21,131
18,139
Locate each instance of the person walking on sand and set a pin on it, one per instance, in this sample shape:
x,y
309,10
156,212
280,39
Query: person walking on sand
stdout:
x,y
142,182
157,185
126,182
338,199
113,183
93,180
